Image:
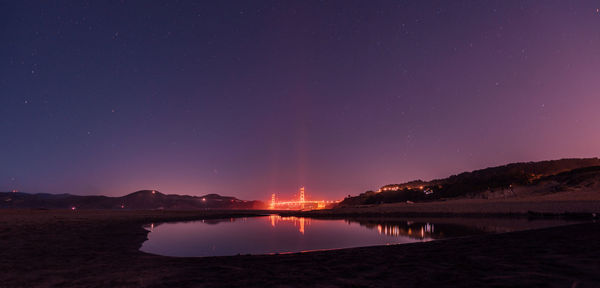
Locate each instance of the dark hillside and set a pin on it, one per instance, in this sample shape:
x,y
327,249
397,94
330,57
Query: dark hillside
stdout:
x,y
473,184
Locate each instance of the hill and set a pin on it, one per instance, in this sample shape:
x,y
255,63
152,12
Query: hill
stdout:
x,y
140,200
494,182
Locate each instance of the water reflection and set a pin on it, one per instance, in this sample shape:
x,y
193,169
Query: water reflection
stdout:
x,y
407,228
417,229
397,230
276,234
299,222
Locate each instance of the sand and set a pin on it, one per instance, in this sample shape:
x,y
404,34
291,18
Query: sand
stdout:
x,y
100,249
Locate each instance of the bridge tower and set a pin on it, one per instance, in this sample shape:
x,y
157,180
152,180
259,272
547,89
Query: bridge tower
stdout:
x,y
273,201
302,197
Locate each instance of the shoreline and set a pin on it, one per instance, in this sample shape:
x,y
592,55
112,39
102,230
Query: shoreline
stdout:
x,y
480,208
101,248
528,215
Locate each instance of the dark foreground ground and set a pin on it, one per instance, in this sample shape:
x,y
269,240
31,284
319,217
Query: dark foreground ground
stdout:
x,y
100,249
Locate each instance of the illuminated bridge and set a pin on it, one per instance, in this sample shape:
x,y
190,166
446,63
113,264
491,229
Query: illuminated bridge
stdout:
x,y
299,204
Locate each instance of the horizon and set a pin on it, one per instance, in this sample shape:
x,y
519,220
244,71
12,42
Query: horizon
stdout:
x,y
247,99
293,194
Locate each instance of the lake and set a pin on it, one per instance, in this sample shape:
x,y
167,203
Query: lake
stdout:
x,y
275,234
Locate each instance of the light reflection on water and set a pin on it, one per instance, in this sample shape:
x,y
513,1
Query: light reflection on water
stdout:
x,y
276,234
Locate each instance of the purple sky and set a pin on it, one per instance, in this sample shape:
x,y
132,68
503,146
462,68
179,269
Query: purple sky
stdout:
x,y
249,98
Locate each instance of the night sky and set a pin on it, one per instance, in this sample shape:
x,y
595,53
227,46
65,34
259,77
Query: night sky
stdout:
x,y
249,98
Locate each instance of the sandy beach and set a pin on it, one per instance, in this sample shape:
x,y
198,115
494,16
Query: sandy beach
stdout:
x,y
42,248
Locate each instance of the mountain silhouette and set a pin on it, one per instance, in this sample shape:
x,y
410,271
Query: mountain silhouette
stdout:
x,y
140,200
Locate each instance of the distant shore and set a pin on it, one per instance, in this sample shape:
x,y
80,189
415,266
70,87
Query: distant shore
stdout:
x,y
465,208
43,248
567,204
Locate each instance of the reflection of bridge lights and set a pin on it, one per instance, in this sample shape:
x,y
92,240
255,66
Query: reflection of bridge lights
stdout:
x,y
299,222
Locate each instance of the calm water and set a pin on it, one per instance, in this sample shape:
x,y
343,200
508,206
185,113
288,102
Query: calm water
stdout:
x,y
275,234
